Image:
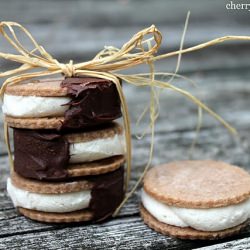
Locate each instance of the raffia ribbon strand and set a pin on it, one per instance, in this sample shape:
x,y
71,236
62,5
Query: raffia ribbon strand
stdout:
x,y
107,64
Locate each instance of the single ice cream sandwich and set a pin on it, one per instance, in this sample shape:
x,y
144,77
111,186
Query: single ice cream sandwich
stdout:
x,y
196,199
90,198
54,155
72,103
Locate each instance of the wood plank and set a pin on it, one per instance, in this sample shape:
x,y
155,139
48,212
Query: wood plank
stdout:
x,y
232,245
213,144
119,13
87,26
226,56
218,90
129,233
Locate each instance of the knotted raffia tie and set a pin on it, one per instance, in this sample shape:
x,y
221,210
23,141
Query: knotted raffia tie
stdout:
x,y
140,49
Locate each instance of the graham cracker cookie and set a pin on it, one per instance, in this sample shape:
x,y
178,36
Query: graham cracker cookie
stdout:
x,y
35,123
96,167
76,216
198,184
186,233
42,87
74,170
56,123
44,187
106,131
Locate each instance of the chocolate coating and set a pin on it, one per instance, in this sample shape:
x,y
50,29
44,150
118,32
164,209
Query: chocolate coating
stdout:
x,y
94,101
42,155
107,194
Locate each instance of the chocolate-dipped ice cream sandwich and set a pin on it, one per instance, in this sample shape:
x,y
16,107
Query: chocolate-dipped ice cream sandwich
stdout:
x,y
53,155
196,199
72,103
88,198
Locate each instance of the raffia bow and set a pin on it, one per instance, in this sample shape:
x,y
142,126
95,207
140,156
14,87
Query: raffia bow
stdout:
x,y
106,64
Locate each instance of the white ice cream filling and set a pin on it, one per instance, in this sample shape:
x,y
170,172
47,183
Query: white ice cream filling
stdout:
x,y
97,149
57,203
210,219
34,106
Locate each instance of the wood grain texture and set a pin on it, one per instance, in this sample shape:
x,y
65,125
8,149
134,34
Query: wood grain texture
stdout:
x,y
175,132
237,244
119,232
77,30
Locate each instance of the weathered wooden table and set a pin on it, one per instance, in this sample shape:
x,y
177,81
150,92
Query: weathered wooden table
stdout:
x,y
77,29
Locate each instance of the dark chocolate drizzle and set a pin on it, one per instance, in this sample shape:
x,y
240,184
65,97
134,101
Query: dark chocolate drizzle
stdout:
x,y
107,194
94,101
40,154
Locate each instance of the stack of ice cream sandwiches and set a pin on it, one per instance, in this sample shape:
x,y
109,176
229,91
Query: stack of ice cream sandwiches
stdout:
x,y
68,151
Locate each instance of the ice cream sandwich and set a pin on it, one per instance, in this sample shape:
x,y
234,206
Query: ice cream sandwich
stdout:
x,y
196,199
54,155
71,103
87,198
